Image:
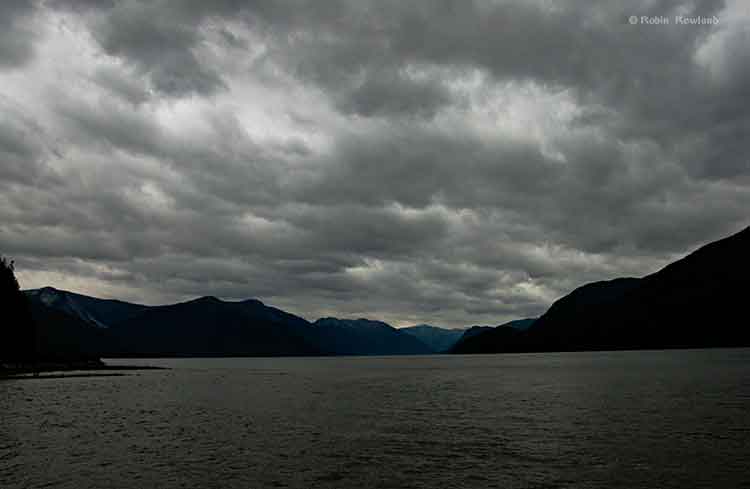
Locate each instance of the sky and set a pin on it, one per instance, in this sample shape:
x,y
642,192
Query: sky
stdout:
x,y
430,161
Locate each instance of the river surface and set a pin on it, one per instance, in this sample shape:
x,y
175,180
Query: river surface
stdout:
x,y
651,419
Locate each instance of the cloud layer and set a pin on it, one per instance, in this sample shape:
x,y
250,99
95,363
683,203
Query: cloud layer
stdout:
x,y
445,162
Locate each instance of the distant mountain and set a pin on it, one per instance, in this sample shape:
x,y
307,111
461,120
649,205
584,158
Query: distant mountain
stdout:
x,y
467,342
75,324
211,327
470,333
698,301
365,337
98,312
695,302
438,339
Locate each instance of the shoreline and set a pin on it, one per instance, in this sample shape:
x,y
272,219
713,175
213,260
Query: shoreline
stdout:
x,y
67,370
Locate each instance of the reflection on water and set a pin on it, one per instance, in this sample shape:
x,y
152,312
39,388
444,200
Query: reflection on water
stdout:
x,y
625,419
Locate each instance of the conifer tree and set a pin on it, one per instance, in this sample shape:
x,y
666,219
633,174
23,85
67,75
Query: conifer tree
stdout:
x,y
17,334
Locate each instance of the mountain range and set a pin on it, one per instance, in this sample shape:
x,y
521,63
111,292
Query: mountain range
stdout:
x,y
694,302
366,337
101,313
697,301
207,326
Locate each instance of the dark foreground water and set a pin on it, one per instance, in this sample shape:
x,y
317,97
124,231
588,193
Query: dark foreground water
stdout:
x,y
606,420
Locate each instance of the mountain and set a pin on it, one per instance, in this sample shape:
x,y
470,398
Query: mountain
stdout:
x,y
33,335
487,340
438,339
694,302
467,343
210,327
365,337
697,301
97,312
75,324
522,324
470,333
62,337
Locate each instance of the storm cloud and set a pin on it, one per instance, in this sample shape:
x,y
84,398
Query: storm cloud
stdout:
x,y
446,162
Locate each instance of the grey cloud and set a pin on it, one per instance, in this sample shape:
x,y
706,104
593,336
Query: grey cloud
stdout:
x,y
598,200
228,166
646,77
386,232
108,124
384,94
417,167
159,46
16,34
416,191
81,6
22,145
122,85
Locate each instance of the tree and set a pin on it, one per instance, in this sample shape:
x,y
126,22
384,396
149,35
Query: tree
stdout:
x,y
17,331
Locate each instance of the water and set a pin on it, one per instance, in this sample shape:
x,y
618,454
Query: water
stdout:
x,y
618,420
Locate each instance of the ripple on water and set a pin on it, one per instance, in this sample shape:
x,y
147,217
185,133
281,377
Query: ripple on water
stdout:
x,y
561,420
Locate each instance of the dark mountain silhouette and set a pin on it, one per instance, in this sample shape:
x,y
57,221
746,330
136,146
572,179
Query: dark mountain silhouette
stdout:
x,y
500,333
470,333
64,338
98,312
211,327
486,339
522,324
695,302
35,336
366,337
78,325
438,339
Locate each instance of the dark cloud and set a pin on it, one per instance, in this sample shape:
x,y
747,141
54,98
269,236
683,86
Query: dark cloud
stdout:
x,y
160,40
159,47
446,162
122,84
21,153
384,94
16,33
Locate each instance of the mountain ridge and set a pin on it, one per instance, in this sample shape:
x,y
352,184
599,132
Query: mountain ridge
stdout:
x,y
93,310
693,302
438,339
208,326
366,337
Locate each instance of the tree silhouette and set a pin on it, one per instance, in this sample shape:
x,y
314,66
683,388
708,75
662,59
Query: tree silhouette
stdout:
x,y
17,332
